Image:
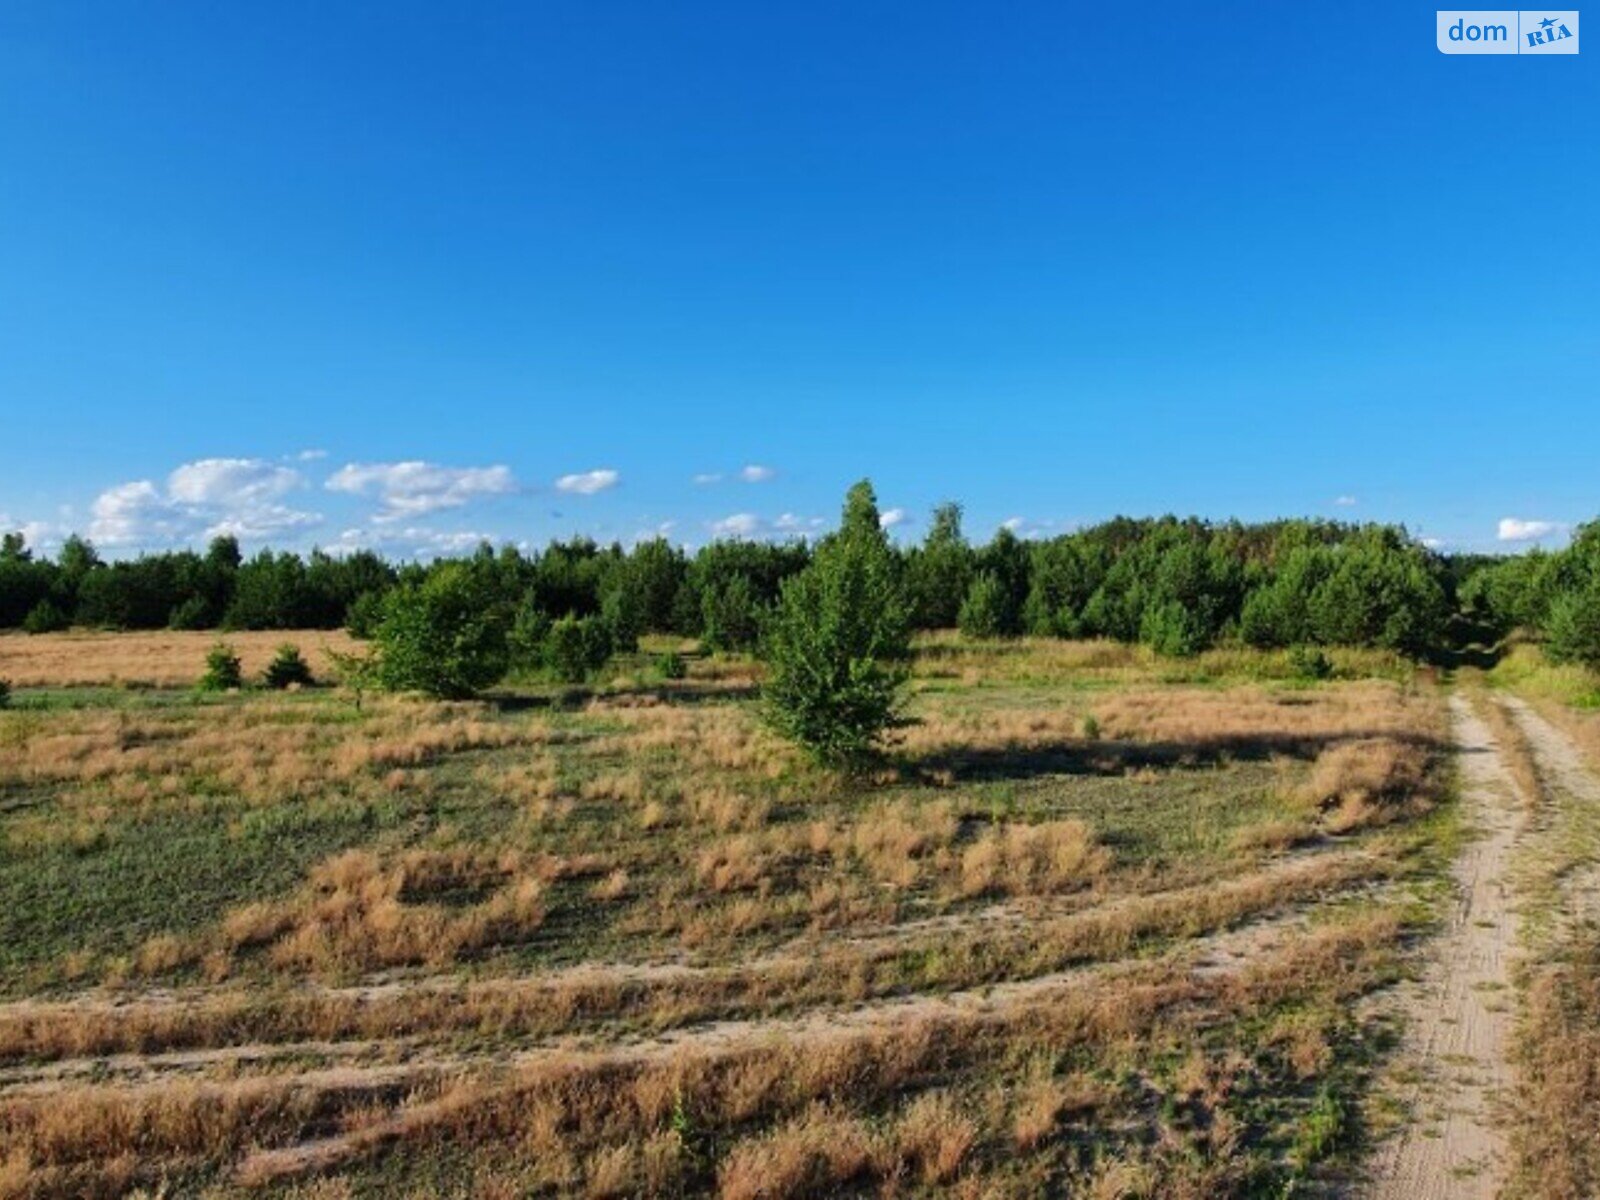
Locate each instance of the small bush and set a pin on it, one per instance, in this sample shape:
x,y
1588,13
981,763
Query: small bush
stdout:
x,y
1309,662
672,666
5,694
365,614
982,613
443,634
223,671
45,617
288,669
1573,628
1172,631
575,647
193,613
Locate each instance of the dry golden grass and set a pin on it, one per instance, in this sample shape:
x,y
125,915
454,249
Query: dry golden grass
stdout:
x,y
1203,720
1515,750
260,752
1555,1136
159,658
1368,782
640,947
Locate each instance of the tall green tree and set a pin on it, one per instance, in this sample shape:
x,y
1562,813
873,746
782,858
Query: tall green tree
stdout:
x,y
839,641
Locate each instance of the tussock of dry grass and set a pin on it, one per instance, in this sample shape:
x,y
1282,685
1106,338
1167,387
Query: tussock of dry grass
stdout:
x,y
1555,1137
259,753
839,974
1242,719
157,658
1369,782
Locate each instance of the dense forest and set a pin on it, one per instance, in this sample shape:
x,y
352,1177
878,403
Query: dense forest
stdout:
x,y
1178,585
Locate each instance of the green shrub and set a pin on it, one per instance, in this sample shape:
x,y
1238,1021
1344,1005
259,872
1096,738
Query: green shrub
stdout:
x,y
672,666
838,644
365,614
576,647
1172,630
1309,662
731,615
983,611
45,617
223,671
443,634
1572,629
288,669
5,693
193,613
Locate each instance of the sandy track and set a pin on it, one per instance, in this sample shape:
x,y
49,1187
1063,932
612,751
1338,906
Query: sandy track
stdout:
x,y
1459,1019
1211,956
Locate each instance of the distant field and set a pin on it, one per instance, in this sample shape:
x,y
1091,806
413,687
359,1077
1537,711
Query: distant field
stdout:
x,y
149,659
1091,928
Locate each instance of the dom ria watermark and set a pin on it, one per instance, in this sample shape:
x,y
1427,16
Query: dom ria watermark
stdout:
x,y
1508,32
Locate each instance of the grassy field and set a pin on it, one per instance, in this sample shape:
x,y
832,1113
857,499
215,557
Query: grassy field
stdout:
x,y
1102,926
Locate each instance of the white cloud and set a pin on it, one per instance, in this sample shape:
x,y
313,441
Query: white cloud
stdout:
x,y
410,489
411,542
1345,501
587,483
891,517
1012,523
1515,529
36,535
311,455
205,498
755,473
231,482
741,525
1434,543
706,477
793,523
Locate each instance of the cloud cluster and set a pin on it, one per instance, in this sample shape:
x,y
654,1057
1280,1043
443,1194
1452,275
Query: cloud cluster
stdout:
x,y
407,490
1516,529
206,498
750,473
587,483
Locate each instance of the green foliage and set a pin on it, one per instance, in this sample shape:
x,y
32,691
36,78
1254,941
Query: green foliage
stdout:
x,y
365,614
838,643
939,572
443,634
672,666
731,614
1572,629
1308,662
983,611
192,613
5,693
1172,630
223,671
576,647
45,617
288,669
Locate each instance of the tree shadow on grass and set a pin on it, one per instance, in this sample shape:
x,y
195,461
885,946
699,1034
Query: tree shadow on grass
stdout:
x,y
1070,756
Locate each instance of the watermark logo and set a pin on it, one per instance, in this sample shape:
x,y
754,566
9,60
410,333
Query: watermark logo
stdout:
x,y
1507,31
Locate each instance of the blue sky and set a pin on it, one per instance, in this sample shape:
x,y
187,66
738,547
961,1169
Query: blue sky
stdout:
x,y
1056,262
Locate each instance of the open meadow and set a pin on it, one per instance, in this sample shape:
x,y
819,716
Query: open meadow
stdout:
x,y
1102,924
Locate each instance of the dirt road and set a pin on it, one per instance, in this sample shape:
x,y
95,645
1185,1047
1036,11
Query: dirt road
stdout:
x,y
1458,1015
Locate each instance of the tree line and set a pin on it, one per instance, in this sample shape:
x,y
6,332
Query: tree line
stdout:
x,y
1177,585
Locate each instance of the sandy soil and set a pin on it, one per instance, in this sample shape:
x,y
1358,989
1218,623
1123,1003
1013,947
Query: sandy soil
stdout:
x,y
1458,1015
